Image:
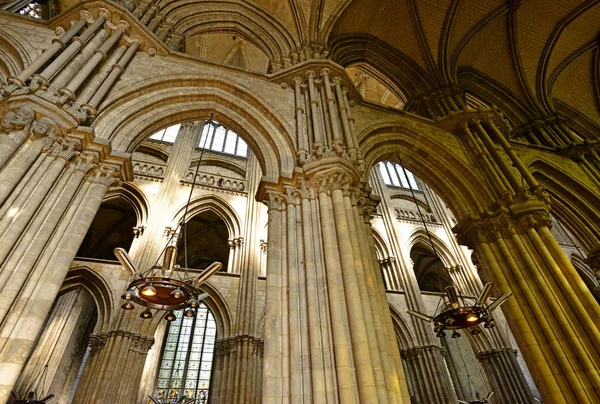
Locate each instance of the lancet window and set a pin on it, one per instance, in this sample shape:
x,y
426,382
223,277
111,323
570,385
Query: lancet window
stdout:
x,y
187,357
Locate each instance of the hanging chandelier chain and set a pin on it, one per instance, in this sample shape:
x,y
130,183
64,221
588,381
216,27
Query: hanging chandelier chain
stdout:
x,y
183,223
436,256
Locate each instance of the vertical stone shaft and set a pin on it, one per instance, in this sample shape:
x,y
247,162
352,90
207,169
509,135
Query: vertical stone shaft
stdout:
x,y
297,392
67,54
332,106
15,270
249,269
500,162
272,362
300,117
153,240
344,112
314,108
57,45
346,107
75,65
95,83
113,75
342,342
26,321
365,298
390,356
318,381
17,168
493,177
98,56
560,331
517,162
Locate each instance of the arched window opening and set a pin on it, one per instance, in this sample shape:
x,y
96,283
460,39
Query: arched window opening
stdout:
x,y
61,347
112,227
393,175
167,135
207,241
431,275
39,9
217,138
187,357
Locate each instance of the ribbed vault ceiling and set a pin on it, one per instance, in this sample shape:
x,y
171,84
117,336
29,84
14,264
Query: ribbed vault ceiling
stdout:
x,y
540,57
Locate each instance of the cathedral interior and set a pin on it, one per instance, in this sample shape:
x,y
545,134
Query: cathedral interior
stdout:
x,y
299,201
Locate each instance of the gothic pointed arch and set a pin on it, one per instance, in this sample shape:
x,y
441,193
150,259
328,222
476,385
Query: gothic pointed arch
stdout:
x,y
220,206
573,202
99,288
447,174
132,114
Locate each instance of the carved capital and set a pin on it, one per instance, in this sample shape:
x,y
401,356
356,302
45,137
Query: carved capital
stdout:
x,y
332,180
84,162
104,175
275,200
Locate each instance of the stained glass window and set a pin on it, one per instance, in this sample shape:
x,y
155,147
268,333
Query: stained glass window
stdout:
x,y
186,362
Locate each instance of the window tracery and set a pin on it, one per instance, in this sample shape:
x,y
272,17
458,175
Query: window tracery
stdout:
x,y
187,357
214,137
394,176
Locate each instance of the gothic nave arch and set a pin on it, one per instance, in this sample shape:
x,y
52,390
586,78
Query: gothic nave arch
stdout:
x,y
446,172
573,202
73,319
457,187
131,115
217,205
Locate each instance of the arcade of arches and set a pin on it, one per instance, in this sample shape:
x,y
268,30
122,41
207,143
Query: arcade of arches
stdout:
x,y
296,116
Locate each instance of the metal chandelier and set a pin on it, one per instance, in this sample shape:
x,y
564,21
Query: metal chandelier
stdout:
x,y
167,286
455,312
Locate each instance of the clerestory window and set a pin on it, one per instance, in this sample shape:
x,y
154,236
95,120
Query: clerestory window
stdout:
x,y
214,137
218,138
187,357
393,175
167,135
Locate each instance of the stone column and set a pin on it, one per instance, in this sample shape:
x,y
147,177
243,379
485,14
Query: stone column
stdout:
x,y
26,316
114,369
553,315
148,247
505,375
61,347
428,367
237,364
325,337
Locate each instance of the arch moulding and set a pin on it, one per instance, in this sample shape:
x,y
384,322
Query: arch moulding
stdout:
x,y
137,111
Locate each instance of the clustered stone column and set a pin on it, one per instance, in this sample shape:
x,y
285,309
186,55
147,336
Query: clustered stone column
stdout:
x,y
328,329
445,101
427,368
238,358
148,12
327,334
508,381
54,174
53,187
51,367
96,56
552,313
235,255
114,368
